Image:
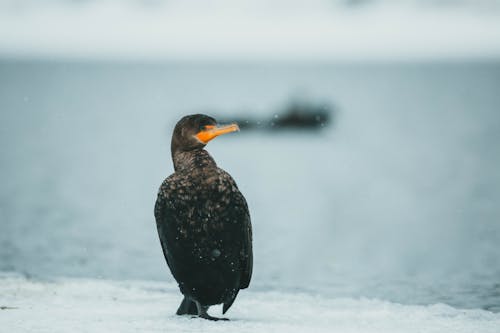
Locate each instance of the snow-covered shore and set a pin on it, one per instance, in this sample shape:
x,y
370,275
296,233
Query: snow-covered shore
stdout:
x,y
86,305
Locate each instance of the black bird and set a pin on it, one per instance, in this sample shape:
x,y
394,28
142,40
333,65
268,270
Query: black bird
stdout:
x,y
203,221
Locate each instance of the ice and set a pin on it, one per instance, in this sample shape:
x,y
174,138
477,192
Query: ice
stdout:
x,y
87,305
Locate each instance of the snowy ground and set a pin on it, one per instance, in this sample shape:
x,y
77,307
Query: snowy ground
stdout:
x,y
81,305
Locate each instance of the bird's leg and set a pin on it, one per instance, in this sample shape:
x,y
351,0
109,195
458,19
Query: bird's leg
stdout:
x,y
187,307
202,312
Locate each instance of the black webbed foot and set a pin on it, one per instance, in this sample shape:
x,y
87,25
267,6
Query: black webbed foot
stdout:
x,y
202,313
209,317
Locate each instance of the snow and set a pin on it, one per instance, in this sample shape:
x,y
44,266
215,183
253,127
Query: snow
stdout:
x,y
87,305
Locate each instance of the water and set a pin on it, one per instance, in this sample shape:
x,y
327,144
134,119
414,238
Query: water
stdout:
x,y
399,200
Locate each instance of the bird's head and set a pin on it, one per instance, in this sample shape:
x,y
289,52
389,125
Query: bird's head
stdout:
x,y
195,131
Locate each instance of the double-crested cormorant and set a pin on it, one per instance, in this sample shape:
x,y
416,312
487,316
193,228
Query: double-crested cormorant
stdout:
x,y
203,221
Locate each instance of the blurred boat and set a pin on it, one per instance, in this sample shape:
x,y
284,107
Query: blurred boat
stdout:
x,y
297,115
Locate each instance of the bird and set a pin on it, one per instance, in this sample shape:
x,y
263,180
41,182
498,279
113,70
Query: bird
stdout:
x,y
203,221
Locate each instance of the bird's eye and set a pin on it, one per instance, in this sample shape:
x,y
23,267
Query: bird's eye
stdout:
x,y
206,127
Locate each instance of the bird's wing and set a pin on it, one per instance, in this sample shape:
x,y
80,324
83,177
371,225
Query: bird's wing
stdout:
x,y
160,216
246,254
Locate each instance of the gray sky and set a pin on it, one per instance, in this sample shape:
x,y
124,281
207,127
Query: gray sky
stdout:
x,y
251,30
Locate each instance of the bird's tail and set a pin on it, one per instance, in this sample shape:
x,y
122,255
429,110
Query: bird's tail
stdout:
x,y
187,307
228,304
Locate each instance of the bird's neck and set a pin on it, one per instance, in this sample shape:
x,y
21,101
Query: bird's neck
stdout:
x,y
193,159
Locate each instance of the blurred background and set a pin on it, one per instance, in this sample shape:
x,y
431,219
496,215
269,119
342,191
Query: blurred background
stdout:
x,y
368,152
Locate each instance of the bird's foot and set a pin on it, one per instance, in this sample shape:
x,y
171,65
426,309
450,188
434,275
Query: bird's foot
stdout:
x,y
187,307
209,317
202,313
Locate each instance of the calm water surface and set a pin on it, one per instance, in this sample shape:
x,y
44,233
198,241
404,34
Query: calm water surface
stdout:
x,y
398,200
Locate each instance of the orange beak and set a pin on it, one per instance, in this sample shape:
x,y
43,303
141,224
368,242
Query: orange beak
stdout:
x,y
210,132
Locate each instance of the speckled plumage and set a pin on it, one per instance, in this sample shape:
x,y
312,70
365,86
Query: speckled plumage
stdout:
x,y
204,228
